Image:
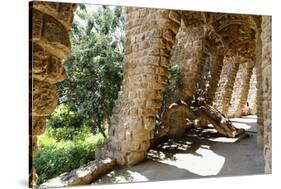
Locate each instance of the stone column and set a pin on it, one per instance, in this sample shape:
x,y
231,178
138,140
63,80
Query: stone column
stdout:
x,y
49,44
216,67
240,90
149,38
243,105
260,127
267,89
252,95
194,58
225,85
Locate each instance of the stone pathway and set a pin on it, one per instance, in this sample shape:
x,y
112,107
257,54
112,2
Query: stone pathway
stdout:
x,y
201,153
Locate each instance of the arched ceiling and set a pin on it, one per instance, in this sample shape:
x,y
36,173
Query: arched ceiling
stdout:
x,y
231,34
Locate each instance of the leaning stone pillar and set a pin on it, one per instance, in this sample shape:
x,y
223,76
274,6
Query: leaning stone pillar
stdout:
x,y
213,80
240,90
149,38
193,62
267,89
260,127
225,85
243,105
49,42
252,95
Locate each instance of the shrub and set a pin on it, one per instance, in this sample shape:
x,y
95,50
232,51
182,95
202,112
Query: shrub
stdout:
x,y
64,117
55,158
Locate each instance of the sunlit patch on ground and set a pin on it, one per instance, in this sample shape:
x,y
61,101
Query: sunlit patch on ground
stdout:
x,y
200,153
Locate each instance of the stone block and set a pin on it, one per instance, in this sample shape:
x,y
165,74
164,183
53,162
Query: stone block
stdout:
x,y
55,32
135,157
37,24
38,125
85,174
44,99
46,67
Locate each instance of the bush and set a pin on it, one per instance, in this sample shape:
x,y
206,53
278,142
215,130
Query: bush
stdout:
x,y
64,124
64,117
55,158
69,133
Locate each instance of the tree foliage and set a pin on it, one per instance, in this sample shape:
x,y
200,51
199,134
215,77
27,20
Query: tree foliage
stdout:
x,y
94,68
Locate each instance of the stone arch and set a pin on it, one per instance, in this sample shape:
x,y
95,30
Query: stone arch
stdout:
x,y
149,38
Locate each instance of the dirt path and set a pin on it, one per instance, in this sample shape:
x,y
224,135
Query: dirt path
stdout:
x,y
201,153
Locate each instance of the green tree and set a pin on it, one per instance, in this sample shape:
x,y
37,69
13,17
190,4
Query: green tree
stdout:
x,y
94,68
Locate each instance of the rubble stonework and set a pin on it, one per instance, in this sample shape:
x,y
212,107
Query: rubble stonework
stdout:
x,y
208,47
150,36
267,89
50,44
244,106
252,95
225,85
260,127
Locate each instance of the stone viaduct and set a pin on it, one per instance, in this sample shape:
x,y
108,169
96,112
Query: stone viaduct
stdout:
x,y
227,55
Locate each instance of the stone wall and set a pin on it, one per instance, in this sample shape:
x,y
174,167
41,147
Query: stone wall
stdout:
x,y
267,89
50,44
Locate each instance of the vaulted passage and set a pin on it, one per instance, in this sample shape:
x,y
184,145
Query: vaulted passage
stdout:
x,y
224,68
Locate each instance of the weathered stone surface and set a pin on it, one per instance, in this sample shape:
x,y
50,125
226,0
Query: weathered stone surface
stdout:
x,y
267,89
46,67
219,121
38,125
252,95
33,178
243,107
237,91
237,32
49,32
50,25
86,174
214,77
34,145
225,85
260,127
62,11
175,119
150,36
37,24
45,98
190,55
179,114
